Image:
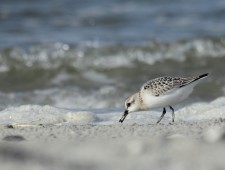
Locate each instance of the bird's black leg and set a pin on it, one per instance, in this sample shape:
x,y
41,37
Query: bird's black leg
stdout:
x,y
173,115
163,113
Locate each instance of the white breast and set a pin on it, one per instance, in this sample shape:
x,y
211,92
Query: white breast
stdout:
x,y
173,97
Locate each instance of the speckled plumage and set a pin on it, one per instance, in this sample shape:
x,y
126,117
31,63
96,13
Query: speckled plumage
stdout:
x,y
161,92
162,85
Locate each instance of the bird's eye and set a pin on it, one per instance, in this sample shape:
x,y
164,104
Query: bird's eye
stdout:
x,y
128,104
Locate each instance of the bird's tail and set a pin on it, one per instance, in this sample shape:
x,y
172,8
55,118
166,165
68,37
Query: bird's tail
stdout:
x,y
201,76
194,79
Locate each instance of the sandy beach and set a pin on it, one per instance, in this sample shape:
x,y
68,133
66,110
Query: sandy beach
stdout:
x,y
179,146
67,68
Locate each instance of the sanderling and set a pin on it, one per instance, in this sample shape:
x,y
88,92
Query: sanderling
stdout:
x,y
161,92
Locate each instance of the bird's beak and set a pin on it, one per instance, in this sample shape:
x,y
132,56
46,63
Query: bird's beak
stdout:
x,y
124,116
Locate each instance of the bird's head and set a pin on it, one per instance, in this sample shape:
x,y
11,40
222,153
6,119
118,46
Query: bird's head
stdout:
x,y
131,105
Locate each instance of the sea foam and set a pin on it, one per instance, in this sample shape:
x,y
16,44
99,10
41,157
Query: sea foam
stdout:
x,y
36,114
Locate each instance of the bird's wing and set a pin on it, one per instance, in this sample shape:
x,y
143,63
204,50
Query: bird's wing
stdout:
x,y
163,85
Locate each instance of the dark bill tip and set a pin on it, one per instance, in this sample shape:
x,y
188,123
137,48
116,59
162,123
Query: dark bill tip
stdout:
x,y
124,116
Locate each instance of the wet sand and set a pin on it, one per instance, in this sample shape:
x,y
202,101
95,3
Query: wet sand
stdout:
x,y
179,146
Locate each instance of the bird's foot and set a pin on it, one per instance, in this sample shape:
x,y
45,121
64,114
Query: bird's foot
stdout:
x,y
171,123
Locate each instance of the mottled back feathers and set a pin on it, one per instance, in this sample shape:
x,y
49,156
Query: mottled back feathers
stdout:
x,y
162,85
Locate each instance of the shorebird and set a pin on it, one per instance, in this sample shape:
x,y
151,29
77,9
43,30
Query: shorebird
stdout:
x,y
161,92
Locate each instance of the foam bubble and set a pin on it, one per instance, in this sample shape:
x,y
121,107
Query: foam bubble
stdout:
x,y
203,111
35,114
80,117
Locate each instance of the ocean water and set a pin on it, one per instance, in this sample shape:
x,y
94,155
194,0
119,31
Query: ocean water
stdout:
x,y
68,61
